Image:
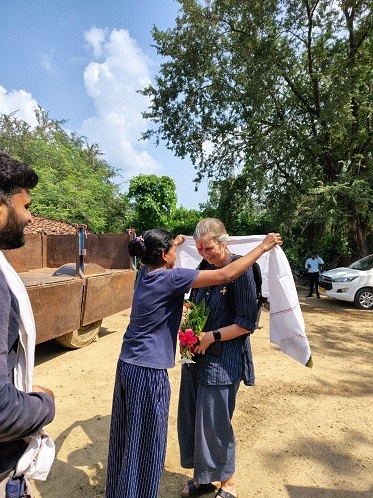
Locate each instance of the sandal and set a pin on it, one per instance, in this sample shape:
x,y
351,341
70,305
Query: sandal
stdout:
x,y
224,494
202,489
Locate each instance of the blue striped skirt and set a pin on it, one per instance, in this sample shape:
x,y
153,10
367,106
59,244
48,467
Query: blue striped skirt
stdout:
x,y
138,432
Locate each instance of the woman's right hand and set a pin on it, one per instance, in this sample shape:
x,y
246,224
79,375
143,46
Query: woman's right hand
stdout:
x,y
271,240
179,239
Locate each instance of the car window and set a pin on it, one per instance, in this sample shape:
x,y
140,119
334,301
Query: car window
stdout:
x,y
363,264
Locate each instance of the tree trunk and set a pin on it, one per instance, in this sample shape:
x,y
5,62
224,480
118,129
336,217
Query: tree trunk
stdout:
x,y
358,237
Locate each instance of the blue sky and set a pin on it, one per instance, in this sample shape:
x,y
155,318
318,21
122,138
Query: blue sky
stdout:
x,y
82,61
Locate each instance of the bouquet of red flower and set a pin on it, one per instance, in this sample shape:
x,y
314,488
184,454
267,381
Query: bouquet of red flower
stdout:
x,y
191,326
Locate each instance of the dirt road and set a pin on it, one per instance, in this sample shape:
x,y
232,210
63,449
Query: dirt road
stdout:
x,y
301,433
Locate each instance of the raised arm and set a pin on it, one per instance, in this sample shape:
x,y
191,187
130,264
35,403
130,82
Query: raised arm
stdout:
x,y
237,267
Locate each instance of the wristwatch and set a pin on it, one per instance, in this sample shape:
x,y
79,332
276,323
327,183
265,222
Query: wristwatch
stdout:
x,y
217,335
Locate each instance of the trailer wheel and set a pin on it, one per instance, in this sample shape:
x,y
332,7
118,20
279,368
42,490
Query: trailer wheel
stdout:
x,y
80,337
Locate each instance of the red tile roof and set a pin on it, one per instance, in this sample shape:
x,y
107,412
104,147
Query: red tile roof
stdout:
x,y
48,226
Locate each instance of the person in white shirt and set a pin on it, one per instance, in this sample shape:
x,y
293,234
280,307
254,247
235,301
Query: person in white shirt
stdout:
x,y
313,267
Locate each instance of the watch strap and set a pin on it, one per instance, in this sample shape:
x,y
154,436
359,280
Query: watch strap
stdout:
x,y
217,335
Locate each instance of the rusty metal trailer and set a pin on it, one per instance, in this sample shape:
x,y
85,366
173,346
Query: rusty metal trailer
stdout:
x,y
74,281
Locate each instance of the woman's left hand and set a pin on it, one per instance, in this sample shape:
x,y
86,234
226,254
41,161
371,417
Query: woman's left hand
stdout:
x,y
205,340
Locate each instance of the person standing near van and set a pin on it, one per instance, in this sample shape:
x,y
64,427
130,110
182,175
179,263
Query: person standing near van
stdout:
x,y
313,267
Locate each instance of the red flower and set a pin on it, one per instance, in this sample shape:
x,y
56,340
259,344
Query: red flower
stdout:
x,y
188,337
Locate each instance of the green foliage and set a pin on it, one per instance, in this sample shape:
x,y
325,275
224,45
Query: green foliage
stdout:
x,y
274,98
117,214
195,316
233,202
153,200
184,221
75,183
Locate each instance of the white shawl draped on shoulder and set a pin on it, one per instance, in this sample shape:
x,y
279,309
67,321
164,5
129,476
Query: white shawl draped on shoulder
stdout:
x,y
39,455
287,328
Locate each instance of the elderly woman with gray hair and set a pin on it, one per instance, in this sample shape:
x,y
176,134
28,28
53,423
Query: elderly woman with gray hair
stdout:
x,y
223,358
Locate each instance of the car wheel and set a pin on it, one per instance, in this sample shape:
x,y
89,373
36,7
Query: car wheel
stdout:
x,y
364,299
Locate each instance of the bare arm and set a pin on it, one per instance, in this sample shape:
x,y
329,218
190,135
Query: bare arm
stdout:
x,y
237,267
227,333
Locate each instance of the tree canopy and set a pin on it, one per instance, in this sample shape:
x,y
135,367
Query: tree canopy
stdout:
x,y
154,201
276,98
75,183
77,186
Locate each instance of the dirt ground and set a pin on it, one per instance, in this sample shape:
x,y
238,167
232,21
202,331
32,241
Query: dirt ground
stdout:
x,y
301,433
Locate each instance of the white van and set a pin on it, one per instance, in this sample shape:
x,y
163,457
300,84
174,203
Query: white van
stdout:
x,y
353,284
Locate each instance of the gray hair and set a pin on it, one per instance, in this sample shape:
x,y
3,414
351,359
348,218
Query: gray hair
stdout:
x,y
212,227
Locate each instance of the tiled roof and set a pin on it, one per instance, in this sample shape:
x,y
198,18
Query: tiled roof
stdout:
x,y
48,226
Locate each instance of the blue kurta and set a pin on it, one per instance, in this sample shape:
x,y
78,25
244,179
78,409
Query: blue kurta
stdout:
x,y
138,433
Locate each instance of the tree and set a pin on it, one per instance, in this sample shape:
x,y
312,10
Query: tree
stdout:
x,y
275,96
154,201
184,221
75,183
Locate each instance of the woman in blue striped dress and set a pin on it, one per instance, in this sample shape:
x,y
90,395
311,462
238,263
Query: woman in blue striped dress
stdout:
x,y
138,432
208,388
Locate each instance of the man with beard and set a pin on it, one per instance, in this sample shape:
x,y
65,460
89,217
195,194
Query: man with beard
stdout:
x,y
24,409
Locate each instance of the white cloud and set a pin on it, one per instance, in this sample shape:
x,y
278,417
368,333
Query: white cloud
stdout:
x,y
119,68
18,101
94,38
113,83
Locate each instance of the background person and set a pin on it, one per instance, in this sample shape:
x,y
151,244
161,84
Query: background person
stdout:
x,y
138,432
209,387
313,272
22,413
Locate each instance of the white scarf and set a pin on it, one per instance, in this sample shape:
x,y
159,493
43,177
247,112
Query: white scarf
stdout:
x,y
287,328
39,455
